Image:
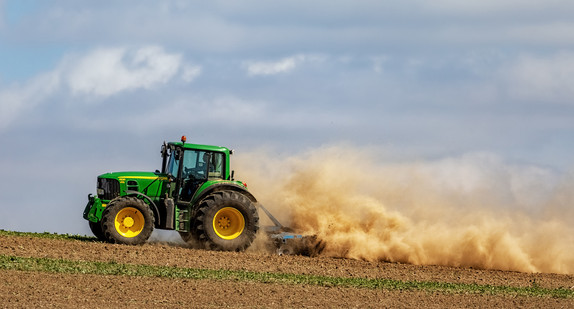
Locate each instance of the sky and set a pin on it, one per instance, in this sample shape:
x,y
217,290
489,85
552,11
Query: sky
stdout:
x,y
88,87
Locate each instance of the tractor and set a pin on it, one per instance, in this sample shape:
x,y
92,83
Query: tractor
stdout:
x,y
194,194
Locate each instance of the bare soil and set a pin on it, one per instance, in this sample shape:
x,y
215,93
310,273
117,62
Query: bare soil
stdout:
x,y
37,289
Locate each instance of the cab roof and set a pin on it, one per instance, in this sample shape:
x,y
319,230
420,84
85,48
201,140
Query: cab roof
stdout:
x,y
200,147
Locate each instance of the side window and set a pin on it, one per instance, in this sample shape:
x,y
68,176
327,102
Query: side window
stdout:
x,y
216,166
192,166
190,159
202,165
197,167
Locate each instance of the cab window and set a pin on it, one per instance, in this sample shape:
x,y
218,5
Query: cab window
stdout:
x,y
203,165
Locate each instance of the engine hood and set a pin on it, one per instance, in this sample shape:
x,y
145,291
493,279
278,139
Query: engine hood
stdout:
x,y
122,176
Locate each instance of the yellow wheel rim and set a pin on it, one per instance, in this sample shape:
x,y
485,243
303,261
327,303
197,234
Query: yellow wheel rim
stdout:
x,y
129,222
228,223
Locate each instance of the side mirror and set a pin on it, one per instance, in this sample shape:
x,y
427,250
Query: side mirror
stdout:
x,y
170,177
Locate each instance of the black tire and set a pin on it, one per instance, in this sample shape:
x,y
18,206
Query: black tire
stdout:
x,y
127,220
96,228
190,239
225,220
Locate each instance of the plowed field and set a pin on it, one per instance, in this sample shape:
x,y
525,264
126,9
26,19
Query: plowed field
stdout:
x,y
76,272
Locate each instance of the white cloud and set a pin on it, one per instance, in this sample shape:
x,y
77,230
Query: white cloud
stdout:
x,y
525,186
108,71
202,112
538,78
280,66
378,63
271,68
18,99
190,73
99,73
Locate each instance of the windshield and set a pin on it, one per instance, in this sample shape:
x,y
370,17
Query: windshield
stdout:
x,y
173,162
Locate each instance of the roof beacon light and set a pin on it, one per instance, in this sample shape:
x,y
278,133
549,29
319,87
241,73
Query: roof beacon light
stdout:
x,y
183,139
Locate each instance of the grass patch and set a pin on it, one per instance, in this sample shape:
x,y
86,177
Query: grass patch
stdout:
x,y
112,268
48,235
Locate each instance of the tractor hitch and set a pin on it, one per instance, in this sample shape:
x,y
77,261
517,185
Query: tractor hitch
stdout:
x,y
287,242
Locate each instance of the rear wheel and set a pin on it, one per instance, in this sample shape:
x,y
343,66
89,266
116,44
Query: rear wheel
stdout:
x,y
226,220
127,220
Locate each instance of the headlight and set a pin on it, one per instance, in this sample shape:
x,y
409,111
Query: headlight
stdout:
x,y
100,192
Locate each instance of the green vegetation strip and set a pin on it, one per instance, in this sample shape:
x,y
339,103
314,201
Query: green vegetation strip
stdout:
x,y
113,268
48,235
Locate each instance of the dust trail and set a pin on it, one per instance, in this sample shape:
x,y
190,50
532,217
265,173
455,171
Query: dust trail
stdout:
x,y
473,211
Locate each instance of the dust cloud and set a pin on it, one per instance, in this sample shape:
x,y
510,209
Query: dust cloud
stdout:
x,y
473,211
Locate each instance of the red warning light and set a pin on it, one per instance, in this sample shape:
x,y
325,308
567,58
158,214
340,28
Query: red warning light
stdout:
x,y
245,184
183,139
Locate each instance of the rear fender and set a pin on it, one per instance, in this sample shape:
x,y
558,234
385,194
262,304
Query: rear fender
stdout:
x,y
224,187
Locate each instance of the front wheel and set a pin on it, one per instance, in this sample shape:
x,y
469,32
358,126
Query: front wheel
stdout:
x,y
96,228
226,220
127,220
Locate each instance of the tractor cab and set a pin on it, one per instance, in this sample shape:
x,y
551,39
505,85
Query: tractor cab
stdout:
x,y
189,166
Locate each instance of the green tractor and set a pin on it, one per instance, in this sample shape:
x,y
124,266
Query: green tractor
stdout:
x,y
194,194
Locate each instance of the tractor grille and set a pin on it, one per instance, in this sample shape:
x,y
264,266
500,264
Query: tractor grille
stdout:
x,y
111,188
